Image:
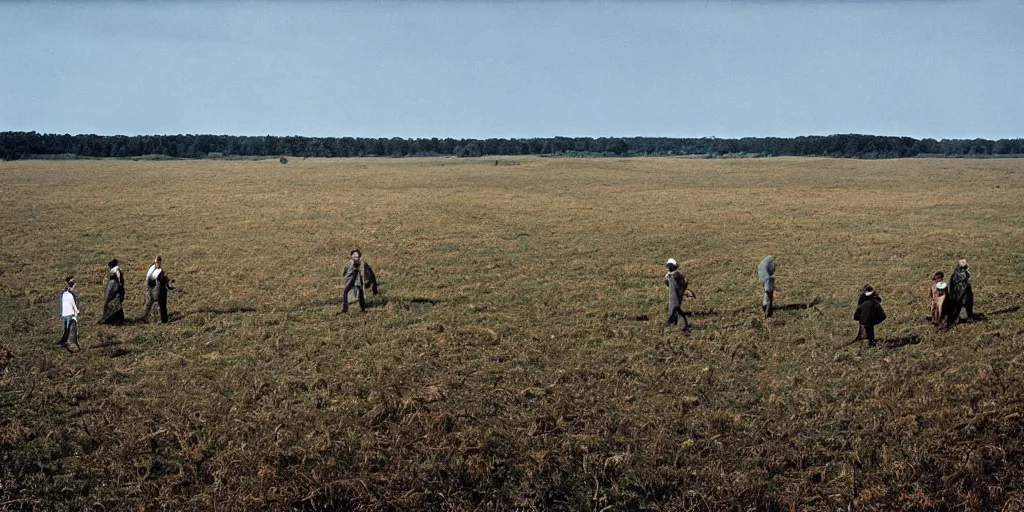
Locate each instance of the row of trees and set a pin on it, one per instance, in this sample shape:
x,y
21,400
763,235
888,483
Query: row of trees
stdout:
x,y
20,145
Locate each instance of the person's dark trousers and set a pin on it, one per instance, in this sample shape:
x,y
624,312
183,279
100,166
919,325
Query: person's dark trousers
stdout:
x,y
359,293
673,318
767,303
954,311
162,305
70,331
866,332
968,304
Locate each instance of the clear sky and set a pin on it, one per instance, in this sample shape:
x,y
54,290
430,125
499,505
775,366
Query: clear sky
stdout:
x,y
948,69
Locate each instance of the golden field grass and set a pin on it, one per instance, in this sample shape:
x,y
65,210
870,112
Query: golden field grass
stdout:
x,y
516,358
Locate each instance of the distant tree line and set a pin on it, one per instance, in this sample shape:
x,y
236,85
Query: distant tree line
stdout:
x,y
21,145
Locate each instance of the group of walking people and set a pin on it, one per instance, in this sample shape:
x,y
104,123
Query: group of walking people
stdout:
x,y
951,303
157,286
358,277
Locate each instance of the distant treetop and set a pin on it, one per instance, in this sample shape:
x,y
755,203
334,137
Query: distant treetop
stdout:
x,y
22,145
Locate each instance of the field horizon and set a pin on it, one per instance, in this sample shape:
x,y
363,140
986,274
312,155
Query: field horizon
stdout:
x,y
517,357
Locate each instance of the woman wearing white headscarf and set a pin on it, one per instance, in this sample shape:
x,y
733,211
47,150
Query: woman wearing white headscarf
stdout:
x,y
113,296
676,282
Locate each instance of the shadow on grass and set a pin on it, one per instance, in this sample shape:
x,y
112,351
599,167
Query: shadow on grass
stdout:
x,y
400,301
105,344
1011,309
981,317
175,316
118,352
226,311
900,341
895,342
709,312
796,307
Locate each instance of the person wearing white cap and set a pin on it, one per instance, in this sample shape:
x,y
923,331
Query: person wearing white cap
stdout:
x,y
676,282
961,291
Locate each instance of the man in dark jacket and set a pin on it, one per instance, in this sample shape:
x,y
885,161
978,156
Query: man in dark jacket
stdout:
x,y
163,285
676,282
358,275
961,291
154,270
869,313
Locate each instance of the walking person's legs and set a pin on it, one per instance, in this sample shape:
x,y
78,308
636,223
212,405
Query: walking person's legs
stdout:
x,y
162,305
954,311
149,306
686,323
344,297
675,315
67,330
74,333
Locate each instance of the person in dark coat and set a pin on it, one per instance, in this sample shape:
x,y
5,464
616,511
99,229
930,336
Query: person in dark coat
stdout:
x,y
357,277
161,286
961,291
113,296
766,273
677,288
869,313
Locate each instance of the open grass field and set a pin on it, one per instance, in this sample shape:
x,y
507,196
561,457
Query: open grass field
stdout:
x,y
517,357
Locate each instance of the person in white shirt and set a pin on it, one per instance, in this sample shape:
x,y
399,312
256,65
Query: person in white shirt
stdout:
x,y
69,314
154,270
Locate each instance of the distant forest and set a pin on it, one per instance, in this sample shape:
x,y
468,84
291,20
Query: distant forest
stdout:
x,y
22,145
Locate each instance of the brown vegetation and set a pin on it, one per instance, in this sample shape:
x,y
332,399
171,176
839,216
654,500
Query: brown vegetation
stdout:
x,y
516,357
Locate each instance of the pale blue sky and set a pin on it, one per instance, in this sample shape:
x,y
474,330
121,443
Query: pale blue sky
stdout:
x,y
515,69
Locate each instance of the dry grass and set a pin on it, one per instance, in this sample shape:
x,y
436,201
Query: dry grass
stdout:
x,y
509,362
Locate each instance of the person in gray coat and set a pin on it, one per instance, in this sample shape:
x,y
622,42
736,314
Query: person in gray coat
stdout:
x,y
676,282
766,273
358,276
